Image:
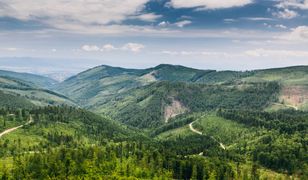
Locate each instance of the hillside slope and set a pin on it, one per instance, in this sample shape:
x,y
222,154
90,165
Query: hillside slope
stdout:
x,y
186,122
20,92
94,87
11,101
35,80
71,122
99,83
157,103
271,139
294,92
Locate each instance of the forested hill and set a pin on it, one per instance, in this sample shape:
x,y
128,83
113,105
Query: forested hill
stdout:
x,y
155,104
11,101
130,94
166,122
36,80
102,81
19,92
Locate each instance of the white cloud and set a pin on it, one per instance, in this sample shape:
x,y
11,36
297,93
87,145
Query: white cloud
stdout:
x,y
179,24
163,24
108,47
74,14
134,47
182,23
285,14
10,49
281,26
185,17
149,17
53,50
301,4
267,25
298,34
244,54
276,53
208,4
229,20
90,48
196,53
258,19
177,53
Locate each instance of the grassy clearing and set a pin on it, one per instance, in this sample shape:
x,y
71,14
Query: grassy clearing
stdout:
x,y
225,131
35,135
276,107
175,133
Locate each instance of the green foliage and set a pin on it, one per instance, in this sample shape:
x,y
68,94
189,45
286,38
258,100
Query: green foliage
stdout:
x,y
171,73
63,153
225,131
223,77
199,97
71,143
270,148
83,123
284,148
125,160
287,121
132,110
77,144
283,153
36,80
12,117
93,88
296,75
24,91
11,101
177,122
97,83
109,162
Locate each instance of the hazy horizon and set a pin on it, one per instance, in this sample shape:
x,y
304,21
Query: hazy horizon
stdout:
x,y
59,72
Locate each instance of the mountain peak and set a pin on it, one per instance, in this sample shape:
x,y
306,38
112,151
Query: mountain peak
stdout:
x,y
160,66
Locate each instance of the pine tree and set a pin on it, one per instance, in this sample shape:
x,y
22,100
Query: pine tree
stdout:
x,y
194,174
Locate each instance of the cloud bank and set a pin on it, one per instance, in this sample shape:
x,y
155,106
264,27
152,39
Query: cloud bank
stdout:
x,y
208,4
132,47
75,14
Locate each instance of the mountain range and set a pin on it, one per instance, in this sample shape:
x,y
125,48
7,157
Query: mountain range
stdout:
x,y
247,119
104,88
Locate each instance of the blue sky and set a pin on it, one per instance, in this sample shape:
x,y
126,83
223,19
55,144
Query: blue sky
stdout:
x,y
47,36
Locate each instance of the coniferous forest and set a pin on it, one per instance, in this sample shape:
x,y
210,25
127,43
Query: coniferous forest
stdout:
x,y
170,129
153,89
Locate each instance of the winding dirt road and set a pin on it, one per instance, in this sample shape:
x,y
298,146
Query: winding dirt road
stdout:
x,y
200,133
193,129
287,105
15,128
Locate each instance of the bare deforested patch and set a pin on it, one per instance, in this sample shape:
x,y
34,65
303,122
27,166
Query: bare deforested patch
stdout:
x,y
149,77
174,109
295,95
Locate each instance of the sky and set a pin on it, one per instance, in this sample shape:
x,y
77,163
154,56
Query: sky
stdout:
x,y
68,36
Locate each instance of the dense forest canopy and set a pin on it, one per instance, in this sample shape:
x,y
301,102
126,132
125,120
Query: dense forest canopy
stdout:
x,y
166,122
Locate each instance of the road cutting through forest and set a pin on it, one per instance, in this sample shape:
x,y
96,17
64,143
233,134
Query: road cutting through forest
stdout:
x,y
200,133
15,128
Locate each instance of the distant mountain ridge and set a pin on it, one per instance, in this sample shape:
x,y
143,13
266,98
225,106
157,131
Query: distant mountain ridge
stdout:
x,y
27,90
167,119
118,91
37,80
102,87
